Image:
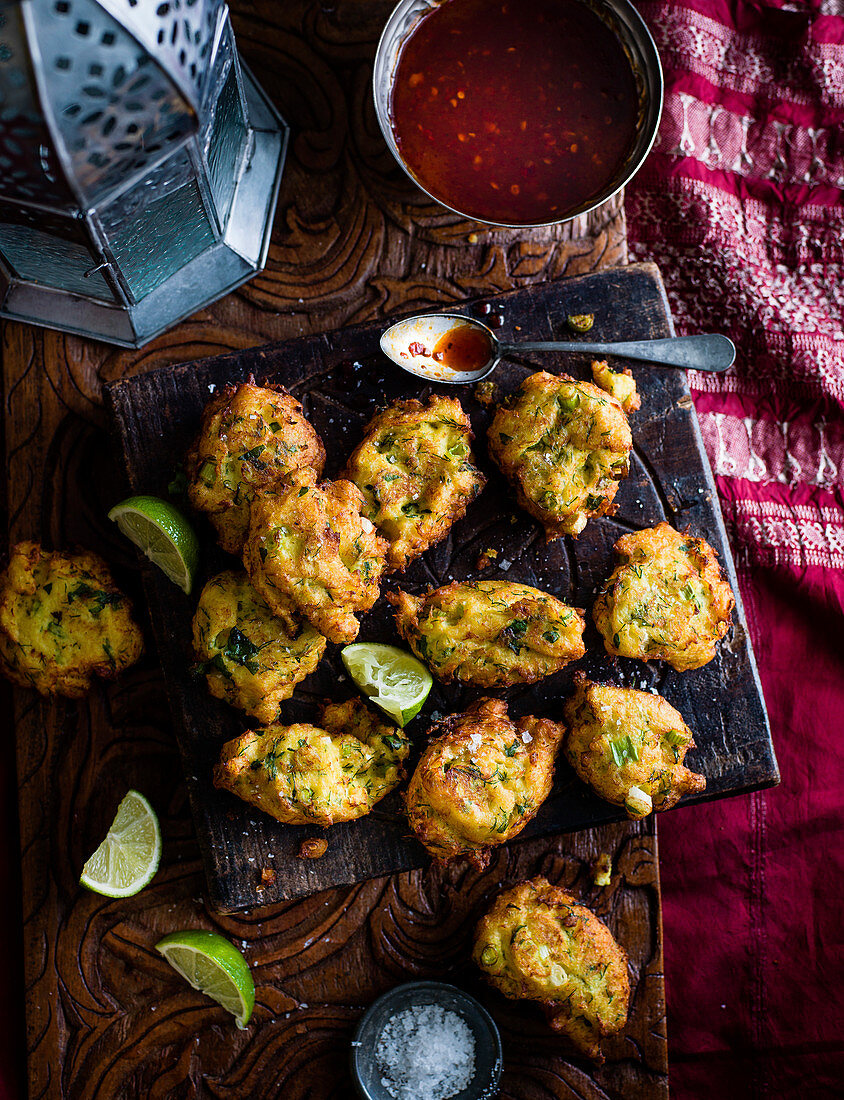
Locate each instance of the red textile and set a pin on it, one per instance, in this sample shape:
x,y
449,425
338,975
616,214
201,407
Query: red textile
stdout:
x,y
741,206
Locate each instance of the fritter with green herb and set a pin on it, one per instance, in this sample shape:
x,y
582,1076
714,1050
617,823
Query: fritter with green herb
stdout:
x,y
564,446
666,599
490,633
316,775
249,656
309,547
416,469
537,943
251,436
63,622
629,747
480,780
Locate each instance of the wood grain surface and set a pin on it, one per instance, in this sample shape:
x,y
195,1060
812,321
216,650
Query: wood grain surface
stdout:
x,y
106,1018
340,378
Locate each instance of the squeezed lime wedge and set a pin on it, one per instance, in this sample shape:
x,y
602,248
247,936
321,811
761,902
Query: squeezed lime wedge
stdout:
x,y
391,677
160,531
128,858
214,966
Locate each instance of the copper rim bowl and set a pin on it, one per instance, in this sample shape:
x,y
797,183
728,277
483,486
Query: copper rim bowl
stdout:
x,y
619,15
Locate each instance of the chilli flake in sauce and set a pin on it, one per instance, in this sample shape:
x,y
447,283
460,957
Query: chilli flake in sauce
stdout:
x,y
514,112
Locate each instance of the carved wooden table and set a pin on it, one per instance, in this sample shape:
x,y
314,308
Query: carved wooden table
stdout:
x,y
106,1017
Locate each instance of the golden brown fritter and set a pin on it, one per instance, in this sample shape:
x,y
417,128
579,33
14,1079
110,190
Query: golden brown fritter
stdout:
x,y
481,780
63,621
316,775
564,446
620,383
536,943
490,633
415,468
249,656
309,546
665,599
629,746
251,436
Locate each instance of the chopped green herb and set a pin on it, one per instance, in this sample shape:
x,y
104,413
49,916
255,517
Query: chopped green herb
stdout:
x,y
208,472
302,491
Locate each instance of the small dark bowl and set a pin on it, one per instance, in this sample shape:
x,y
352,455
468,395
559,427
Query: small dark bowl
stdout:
x,y
629,28
488,1056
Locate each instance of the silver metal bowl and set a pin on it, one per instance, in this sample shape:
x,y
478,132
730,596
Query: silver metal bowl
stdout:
x,y
619,15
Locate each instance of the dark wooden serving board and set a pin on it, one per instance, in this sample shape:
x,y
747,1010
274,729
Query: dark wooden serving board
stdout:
x,y
341,378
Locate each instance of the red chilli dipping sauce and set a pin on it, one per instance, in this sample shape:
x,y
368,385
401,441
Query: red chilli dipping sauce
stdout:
x,y
513,111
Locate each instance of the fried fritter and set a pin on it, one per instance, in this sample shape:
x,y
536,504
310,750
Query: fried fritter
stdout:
x,y
480,780
310,547
536,943
251,436
63,621
306,775
665,599
490,633
629,746
249,656
620,383
564,446
415,468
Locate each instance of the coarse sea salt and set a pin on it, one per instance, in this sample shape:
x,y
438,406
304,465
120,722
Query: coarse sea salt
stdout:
x,y
425,1053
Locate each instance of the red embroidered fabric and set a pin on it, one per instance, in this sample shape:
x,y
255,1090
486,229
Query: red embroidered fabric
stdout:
x,y
741,206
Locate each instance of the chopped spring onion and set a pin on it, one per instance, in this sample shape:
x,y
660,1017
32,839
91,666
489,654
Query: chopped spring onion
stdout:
x,y
638,802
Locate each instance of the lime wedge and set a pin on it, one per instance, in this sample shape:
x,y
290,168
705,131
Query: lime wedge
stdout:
x,y
162,533
391,677
128,857
213,966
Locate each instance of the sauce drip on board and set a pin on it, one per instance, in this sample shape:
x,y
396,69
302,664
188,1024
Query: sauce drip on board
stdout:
x,y
463,348
514,112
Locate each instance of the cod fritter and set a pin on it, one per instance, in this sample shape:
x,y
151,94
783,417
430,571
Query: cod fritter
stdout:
x,y
309,547
480,780
620,383
416,470
629,747
63,621
251,436
490,633
665,599
564,446
249,656
536,943
316,775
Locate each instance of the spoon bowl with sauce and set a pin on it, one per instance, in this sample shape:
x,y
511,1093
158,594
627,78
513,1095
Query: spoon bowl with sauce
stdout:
x,y
457,350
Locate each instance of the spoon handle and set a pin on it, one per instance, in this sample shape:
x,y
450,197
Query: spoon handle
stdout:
x,y
711,352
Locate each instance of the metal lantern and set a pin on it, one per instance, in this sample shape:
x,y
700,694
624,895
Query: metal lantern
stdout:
x,y
139,164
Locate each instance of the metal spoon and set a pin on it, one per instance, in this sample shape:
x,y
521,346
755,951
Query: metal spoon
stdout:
x,y
410,344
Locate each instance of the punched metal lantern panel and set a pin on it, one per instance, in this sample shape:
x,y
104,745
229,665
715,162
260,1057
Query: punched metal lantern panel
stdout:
x,y
139,164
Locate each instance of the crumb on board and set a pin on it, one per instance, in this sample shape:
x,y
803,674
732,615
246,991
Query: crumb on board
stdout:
x,y
602,870
485,393
486,558
267,878
314,847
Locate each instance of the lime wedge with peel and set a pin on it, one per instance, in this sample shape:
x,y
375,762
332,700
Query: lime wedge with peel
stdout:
x,y
391,677
213,966
128,858
162,533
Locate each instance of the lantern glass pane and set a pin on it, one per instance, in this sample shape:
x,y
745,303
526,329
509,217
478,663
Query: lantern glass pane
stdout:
x,y
158,227
29,168
37,257
117,111
226,145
